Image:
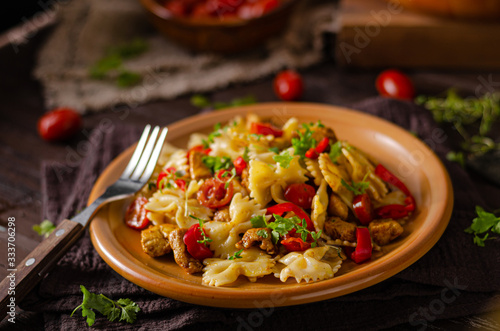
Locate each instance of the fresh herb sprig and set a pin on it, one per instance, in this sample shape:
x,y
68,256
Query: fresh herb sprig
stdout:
x,y
216,163
356,187
236,255
206,239
210,139
45,228
201,101
281,226
284,159
111,66
485,222
304,142
462,113
335,151
123,310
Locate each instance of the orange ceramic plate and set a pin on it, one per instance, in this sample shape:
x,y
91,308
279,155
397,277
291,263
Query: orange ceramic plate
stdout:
x,y
406,156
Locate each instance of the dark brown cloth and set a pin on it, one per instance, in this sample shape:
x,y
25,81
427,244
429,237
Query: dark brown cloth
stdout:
x,y
455,278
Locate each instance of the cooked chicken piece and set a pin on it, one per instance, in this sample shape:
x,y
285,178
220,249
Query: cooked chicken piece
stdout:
x,y
338,229
181,255
197,168
154,240
222,215
336,207
244,178
251,238
385,230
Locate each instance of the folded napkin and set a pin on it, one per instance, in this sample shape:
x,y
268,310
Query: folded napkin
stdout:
x,y
455,278
86,30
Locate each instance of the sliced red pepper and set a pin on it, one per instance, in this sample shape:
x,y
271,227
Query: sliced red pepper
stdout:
x,y
363,250
322,145
311,153
363,208
239,164
293,244
393,211
135,217
410,203
388,177
197,250
282,208
265,129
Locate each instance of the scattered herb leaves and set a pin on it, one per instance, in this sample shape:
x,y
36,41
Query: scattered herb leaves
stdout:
x,y
122,310
356,187
483,223
206,239
335,151
236,255
45,228
283,159
216,163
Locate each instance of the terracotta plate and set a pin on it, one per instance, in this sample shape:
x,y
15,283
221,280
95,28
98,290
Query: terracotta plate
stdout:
x,y
399,151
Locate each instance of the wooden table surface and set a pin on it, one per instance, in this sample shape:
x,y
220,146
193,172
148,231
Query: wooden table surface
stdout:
x,y
22,151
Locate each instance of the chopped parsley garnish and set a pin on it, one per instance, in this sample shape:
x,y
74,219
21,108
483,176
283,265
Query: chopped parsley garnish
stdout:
x,y
281,226
304,142
45,228
263,233
216,133
202,101
216,163
275,150
151,186
255,136
283,159
356,187
233,174
123,310
335,151
245,154
111,66
483,223
205,239
236,255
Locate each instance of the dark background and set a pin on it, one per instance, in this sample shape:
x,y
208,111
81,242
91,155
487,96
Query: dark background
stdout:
x,y
13,11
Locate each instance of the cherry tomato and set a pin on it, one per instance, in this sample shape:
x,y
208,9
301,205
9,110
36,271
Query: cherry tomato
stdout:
x,y
293,244
265,129
213,194
395,84
135,217
322,145
197,250
363,208
59,124
300,194
288,85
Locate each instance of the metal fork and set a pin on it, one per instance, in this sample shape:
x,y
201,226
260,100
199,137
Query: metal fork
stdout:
x,y
23,277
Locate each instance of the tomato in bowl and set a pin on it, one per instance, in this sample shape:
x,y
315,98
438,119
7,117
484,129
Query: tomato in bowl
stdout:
x,y
221,26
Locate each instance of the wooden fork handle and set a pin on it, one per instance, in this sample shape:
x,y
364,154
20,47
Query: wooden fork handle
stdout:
x,y
22,277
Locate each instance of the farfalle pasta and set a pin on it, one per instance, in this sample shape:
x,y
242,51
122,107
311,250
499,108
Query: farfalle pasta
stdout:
x,y
254,199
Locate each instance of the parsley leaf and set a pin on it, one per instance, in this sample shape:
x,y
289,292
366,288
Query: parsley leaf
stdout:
x,y
123,310
304,142
200,101
484,222
216,163
45,228
245,154
236,255
335,151
283,159
258,222
262,233
276,150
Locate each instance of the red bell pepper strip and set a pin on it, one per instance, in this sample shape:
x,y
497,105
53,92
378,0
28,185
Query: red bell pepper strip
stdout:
x,y
322,145
363,249
282,208
311,153
265,129
388,177
363,208
239,164
197,250
393,211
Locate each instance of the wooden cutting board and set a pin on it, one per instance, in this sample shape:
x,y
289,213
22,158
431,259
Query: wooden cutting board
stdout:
x,y
375,33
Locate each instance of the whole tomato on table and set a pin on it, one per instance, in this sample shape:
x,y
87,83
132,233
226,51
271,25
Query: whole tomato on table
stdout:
x,y
59,124
288,85
395,84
